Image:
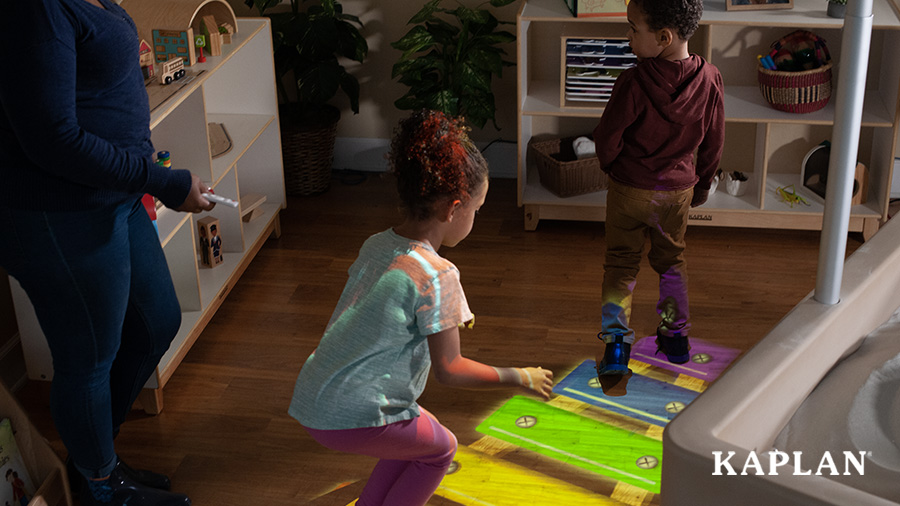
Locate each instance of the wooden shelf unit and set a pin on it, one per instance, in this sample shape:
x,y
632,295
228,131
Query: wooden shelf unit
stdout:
x,y
767,144
236,89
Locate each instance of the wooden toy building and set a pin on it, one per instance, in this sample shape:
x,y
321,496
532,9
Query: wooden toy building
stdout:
x,y
176,22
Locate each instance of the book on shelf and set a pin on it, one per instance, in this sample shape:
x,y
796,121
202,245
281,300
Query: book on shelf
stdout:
x,y
18,488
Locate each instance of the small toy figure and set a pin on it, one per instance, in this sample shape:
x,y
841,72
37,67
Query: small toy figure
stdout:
x,y
210,243
789,194
204,245
216,243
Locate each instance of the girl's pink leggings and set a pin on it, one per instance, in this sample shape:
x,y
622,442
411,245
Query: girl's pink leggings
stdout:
x,y
413,457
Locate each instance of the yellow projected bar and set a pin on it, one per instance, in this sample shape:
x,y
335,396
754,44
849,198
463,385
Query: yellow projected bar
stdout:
x,y
482,480
681,380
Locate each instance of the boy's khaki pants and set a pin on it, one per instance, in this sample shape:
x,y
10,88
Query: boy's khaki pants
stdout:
x,y
631,215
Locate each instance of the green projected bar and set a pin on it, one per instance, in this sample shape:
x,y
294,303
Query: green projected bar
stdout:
x,y
600,448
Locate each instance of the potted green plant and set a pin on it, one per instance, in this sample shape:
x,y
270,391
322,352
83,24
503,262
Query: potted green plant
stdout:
x,y
308,44
449,65
836,8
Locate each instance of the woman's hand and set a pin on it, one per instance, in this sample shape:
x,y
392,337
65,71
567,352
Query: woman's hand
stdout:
x,y
195,201
537,380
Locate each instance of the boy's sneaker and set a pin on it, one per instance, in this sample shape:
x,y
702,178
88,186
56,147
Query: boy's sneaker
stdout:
x,y
676,348
615,358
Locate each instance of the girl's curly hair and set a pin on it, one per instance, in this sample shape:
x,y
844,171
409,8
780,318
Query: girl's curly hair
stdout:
x,y
432,159
683,16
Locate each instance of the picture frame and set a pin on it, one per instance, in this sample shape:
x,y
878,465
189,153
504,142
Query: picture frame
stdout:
x,y
758,5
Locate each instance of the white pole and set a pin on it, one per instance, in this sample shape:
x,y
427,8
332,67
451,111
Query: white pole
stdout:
x,y
851,89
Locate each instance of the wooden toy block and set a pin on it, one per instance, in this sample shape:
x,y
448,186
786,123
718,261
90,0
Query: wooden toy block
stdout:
x,y
176,14
146,59
227,31
210,28
210,243
168,44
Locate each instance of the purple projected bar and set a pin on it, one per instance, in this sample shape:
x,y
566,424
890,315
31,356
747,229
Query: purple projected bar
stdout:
x,y
707,362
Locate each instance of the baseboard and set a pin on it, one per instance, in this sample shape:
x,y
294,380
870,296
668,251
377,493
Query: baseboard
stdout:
x,y
370,155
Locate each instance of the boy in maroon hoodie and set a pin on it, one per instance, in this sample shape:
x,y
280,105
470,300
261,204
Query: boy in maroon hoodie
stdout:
x,y
659,114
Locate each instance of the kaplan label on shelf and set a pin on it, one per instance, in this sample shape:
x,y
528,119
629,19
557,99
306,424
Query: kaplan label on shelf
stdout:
x,y
597,8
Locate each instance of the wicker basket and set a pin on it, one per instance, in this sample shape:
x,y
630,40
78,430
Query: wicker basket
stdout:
x,y
800,92
562,173
308,156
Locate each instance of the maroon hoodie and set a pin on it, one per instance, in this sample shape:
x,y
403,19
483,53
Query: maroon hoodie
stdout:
x,y
659,113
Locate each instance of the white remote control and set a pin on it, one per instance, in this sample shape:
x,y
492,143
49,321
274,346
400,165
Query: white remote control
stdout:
x,y
212,197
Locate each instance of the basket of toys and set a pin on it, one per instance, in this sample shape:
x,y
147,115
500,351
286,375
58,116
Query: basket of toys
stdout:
x,y
562,172
796,75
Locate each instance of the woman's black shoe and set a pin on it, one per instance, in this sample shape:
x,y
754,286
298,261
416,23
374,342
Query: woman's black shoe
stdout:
x,y
121,490
142,476
147,478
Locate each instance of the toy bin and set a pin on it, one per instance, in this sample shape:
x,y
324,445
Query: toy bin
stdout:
x,y
798,92
562,172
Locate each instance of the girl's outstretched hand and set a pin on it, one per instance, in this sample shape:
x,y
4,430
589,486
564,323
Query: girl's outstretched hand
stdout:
x,y
539,381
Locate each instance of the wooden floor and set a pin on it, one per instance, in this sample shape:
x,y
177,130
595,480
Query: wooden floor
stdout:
x,y
224,435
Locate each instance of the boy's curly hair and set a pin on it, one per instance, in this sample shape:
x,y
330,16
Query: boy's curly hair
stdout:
x,y
432,159
683,16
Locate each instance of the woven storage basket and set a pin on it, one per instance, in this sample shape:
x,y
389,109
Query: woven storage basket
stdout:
x,y
308,155
562,173
804,91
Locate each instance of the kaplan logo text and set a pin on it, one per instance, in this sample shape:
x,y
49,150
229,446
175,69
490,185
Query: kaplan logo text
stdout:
x,y
770,463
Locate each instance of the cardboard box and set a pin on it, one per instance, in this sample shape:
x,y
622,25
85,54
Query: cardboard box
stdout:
x,y
45,468
597,8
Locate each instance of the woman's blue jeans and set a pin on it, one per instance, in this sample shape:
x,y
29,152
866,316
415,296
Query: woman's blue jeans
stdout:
x,y
102,292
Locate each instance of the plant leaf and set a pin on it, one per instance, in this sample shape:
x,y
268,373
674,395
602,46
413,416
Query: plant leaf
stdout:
x,y
472,76
319,40
479,108
319,82
497,38
416,66
415,40
443,32
444,101
477,16
409,103
351,44
350,85
330,8
487,59
263,5
463,56
425,13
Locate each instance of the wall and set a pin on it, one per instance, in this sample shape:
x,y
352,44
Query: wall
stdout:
x,y
366,134
363,138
